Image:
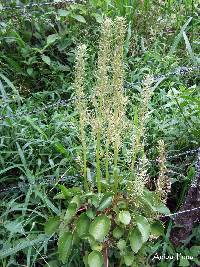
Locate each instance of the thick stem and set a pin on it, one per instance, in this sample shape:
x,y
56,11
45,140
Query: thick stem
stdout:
x,y
105,257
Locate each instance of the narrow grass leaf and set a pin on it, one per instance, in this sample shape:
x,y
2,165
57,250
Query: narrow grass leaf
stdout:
x,y
179,37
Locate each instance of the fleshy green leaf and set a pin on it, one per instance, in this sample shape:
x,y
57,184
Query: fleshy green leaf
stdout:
x,y
98,17
63,13
184,262
121,244
118,232
144,227
52,38
64,246
95,259
100,227
157,229
52,225
125,217
136,240
83,224
71,211
128,259
46,59
79,18
195,251
105,202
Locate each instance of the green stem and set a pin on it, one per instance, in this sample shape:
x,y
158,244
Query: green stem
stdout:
x,y
98,162
115,168
107,158
84,155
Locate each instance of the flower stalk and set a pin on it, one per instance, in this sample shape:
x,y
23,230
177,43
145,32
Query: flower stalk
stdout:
x,y
81,105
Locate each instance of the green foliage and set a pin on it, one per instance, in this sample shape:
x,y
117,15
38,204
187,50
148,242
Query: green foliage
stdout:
x,y
37,59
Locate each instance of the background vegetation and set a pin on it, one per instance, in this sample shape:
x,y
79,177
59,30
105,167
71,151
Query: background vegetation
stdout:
x,y
37,59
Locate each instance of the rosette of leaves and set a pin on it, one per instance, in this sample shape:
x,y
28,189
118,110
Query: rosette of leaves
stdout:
x,y
96,224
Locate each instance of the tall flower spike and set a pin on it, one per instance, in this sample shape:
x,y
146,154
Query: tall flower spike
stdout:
x,y
139,130
104,54
102,85
81,105
136,187
163,186
119,99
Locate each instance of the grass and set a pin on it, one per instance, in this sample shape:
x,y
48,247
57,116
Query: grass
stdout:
x,y
37,61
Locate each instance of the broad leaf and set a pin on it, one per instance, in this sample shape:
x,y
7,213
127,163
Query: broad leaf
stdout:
x,y
125,217
64,246
100,227
46,59
144,227
129,259
52,225
71,211
157,229
52,38
118,232
105,202
136,240
121,244
82,225
79,18
95,259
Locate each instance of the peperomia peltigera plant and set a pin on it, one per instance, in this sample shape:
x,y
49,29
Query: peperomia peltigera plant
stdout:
x,y
112,216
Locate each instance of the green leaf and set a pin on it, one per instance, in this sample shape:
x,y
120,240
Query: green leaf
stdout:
x,y
125,217
184,262
48,202
63,13
71,211
118,232
90,213
161,208
79,18
179,37
95,201
121,244
128,259
36,127
60,148
82,225
105,202
52,225
46,59
157,229
95,259
14,226
22,245
143,226
189,48
96,246
64,246
98,17
52,38
195,251
3,92
11,85
76,200
29,71
136,240
100,227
